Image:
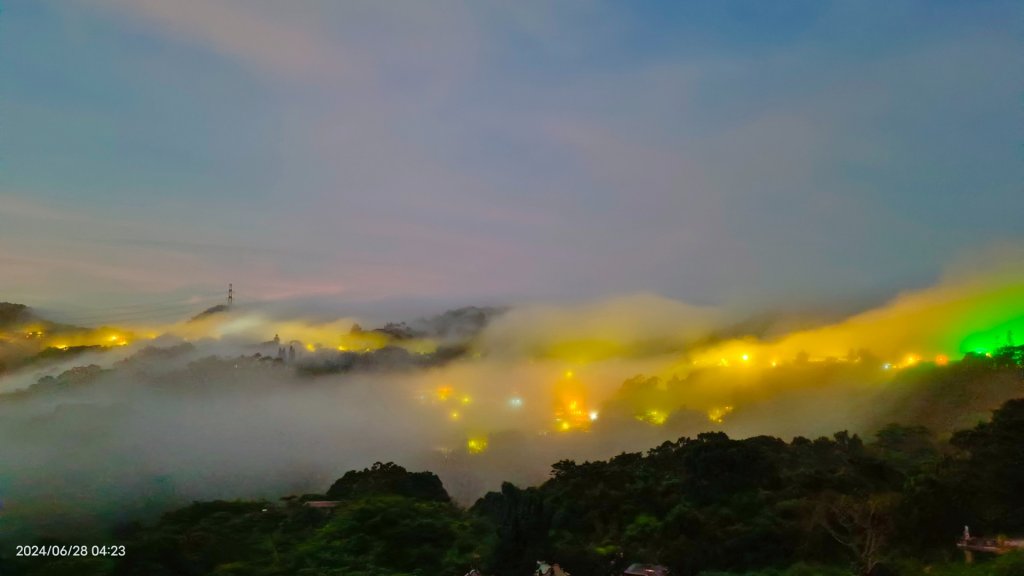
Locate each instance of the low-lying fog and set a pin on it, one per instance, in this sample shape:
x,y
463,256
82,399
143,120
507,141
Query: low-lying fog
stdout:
x,y
125,433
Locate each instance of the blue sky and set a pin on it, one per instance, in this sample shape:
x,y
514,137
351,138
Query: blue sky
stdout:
x,y
718,152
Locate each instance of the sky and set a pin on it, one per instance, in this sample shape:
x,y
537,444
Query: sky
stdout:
x,y
768,154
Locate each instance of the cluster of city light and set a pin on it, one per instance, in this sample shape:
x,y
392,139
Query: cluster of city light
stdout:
x,y
718,414
573,415
747,360
309,337
476,445
570,411
653,417
453,403
333,337
68,340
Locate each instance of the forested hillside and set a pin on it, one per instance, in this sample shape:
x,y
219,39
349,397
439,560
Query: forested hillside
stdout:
x,y
703,505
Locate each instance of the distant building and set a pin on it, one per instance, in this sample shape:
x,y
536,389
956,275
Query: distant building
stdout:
x,y
1000,545
322,504
646,570
545,569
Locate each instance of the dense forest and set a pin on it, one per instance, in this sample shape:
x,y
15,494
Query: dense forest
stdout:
x,y
707,505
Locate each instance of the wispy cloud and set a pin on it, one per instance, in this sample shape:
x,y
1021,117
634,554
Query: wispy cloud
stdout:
x,y
539,149
265,36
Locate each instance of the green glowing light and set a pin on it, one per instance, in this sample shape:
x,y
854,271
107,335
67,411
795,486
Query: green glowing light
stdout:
x,y
984,341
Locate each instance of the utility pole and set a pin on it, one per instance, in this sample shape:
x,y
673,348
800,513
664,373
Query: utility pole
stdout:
x,y
231,295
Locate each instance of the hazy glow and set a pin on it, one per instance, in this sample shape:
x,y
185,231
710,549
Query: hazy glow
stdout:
x,y
653,416
476,445
949,320
717,415
516,363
